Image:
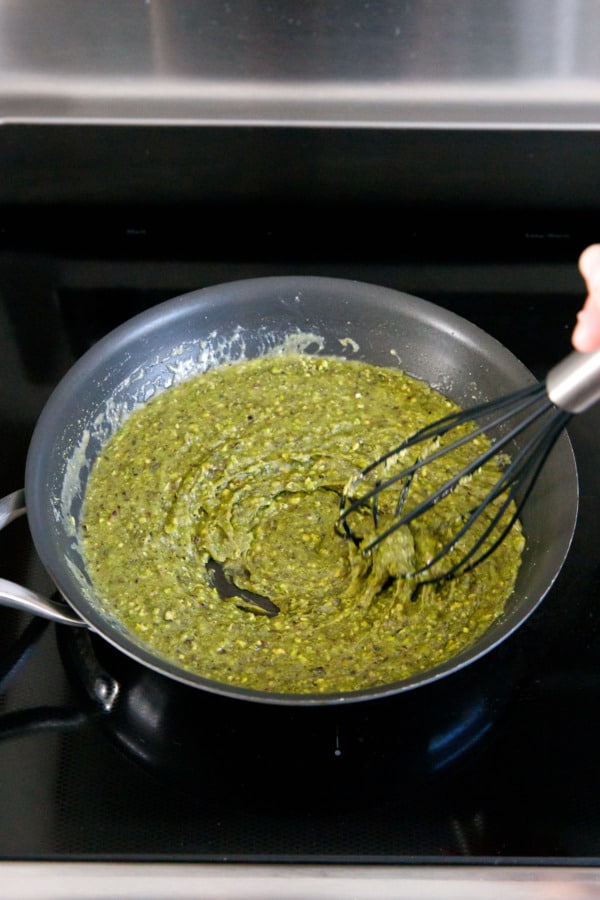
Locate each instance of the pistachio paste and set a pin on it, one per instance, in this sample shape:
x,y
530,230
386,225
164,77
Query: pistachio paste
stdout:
x,y
245,465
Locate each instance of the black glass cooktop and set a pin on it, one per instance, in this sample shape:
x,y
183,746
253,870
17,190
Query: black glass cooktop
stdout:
x,y
101,758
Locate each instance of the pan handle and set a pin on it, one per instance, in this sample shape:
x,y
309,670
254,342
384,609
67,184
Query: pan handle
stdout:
x,y
19,597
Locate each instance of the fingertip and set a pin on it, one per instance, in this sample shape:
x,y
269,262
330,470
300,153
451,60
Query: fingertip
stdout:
x,y
586,334
589,264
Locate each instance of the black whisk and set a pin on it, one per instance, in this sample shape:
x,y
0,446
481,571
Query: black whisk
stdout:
x,y
534,417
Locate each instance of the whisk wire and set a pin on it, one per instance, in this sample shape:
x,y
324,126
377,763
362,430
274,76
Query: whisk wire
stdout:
x,y
523,470
440,427
512,487
452,482
525,399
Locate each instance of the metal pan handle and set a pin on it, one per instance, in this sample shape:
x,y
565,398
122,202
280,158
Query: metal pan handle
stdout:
x,y
15,595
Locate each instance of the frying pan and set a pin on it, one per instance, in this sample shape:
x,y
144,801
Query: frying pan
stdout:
x,y
244,319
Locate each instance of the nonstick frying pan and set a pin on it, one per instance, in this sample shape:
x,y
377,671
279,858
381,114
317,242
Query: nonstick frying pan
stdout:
x,y
244,319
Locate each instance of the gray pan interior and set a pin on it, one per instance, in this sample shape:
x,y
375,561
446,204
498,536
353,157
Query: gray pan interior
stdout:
x,y
196,331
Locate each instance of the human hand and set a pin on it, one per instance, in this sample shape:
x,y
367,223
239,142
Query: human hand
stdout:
x,y
586,334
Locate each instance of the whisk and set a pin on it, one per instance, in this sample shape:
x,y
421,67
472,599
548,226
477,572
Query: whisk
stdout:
x,y
534,417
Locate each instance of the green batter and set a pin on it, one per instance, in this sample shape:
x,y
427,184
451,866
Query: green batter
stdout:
x,y
245,465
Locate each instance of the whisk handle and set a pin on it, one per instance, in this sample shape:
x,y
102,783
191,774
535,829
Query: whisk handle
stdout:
x,y
574,384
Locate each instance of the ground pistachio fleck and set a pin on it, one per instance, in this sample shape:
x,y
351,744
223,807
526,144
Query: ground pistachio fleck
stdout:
x,y
245,464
